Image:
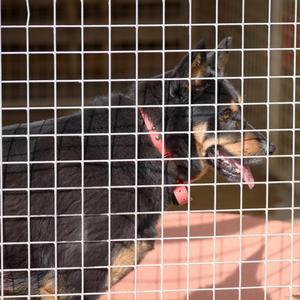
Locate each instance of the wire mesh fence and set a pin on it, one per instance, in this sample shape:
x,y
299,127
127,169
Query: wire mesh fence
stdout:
x,y
138,152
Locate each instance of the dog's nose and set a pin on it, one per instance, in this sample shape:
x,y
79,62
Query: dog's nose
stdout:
x,y
272,148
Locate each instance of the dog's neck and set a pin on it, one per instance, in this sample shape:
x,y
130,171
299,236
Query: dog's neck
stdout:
x,y
180,191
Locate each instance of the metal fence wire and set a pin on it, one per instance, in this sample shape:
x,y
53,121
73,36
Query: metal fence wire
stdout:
x,y
150,149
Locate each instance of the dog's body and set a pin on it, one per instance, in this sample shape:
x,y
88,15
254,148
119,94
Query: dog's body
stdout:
x,y
103,230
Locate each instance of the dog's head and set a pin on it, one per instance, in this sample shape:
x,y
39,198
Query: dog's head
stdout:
x,y
221,136
210,107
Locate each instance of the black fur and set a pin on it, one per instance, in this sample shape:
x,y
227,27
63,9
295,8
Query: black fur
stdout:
x,y
97,173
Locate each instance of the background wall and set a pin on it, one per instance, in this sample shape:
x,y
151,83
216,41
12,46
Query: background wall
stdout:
x,y
279,92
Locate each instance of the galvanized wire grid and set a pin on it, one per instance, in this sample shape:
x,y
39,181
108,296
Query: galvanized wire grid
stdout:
x,y
110,80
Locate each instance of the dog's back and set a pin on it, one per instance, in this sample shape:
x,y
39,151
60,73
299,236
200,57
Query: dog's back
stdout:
x,y
56,182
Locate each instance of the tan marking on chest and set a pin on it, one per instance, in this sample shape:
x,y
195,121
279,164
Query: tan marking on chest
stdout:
x,y
199,135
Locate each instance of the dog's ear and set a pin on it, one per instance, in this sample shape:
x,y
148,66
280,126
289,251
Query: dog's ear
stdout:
x,y
197,60
198,63
223,56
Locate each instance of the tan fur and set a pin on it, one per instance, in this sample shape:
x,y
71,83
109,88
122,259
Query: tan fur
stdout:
x,y
198,69
251,145
250,148
202,173
234,107
208,143
126,258
199,135
47,290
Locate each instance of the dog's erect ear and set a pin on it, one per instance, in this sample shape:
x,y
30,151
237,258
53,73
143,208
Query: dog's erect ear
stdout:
x,y
198,63
223,56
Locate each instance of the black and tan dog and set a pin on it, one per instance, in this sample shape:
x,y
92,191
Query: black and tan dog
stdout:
x,y
75,244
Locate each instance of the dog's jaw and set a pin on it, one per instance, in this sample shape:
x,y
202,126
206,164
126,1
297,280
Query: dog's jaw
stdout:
x,y
239,168
230,168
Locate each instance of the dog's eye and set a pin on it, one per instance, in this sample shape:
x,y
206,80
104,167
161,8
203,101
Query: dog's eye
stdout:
x,y
226,115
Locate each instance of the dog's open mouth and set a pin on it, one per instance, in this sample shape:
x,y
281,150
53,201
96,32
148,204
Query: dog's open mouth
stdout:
x,y
230,168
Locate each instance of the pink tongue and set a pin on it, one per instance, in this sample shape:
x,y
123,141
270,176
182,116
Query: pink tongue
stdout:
x,y
247,175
